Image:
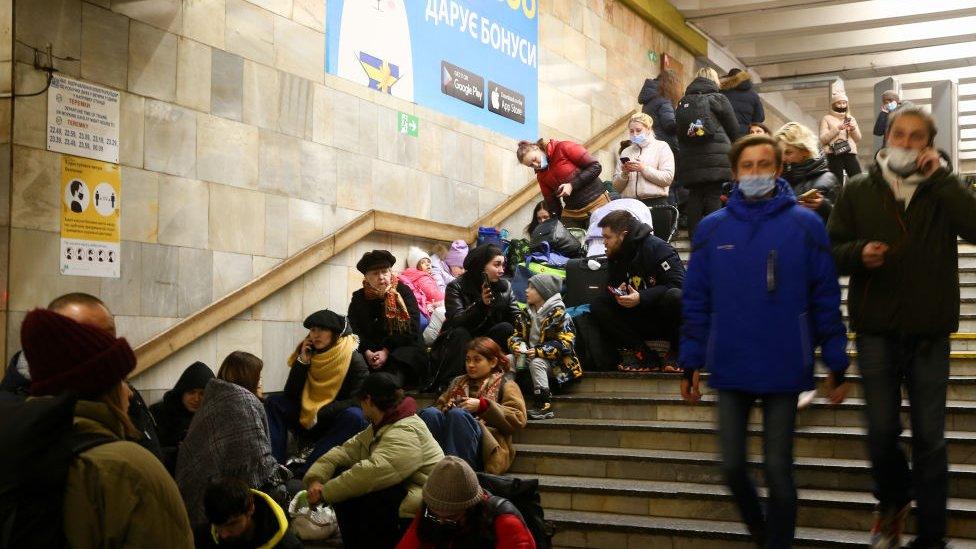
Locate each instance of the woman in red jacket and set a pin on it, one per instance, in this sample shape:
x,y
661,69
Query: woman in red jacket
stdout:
x,y
459,514
566,170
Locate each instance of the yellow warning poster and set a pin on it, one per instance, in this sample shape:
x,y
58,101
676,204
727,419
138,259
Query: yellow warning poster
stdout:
x,y
91,192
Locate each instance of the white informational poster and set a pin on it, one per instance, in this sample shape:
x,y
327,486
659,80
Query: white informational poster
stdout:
x,y
83,120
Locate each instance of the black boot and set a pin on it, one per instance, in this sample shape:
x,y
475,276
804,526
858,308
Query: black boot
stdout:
x,y
542,408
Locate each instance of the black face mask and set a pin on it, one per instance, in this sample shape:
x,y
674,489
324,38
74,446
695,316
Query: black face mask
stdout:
x,y
838,109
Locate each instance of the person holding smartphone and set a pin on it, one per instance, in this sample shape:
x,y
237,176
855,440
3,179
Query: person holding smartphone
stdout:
x,y
839,136
318,403
645,171
806,169
478,303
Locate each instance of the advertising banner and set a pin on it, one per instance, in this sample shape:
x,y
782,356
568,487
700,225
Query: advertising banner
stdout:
x,y
90,207
476,60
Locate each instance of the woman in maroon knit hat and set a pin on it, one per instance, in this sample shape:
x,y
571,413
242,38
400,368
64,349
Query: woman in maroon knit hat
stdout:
x,y
116,493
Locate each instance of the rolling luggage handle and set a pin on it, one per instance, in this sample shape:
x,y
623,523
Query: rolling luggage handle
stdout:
x,y
674,219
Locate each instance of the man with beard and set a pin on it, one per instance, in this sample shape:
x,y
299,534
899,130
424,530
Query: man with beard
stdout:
x,y
242,518
643,300
894,230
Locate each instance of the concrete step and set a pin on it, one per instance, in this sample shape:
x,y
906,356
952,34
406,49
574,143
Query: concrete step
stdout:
x,y
960,415
657,383
692,436
703,467
613,530
845,510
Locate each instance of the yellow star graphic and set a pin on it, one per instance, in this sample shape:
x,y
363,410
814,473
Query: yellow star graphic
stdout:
x,y
383,76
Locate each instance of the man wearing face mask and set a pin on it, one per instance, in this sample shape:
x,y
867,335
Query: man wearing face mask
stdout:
x,y
760,296
894,231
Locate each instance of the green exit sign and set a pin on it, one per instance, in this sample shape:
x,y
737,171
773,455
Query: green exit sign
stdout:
x,y
408,124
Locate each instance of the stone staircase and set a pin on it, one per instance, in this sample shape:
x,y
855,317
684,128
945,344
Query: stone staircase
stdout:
x,y
626,463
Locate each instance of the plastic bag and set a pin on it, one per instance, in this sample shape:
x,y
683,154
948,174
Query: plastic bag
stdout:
x,y
311,524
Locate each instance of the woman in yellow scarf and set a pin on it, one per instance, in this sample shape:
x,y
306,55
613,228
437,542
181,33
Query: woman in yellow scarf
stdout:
x,y
385,316
319,402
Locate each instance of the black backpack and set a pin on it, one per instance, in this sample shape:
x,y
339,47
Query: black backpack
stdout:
x,y
693,118
39,443
524,495
559,238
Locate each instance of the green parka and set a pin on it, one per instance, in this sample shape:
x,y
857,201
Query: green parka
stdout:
x,y
403,452
118,494
916,291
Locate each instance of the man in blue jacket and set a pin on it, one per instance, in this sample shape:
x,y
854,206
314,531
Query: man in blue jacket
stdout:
x,y
760,295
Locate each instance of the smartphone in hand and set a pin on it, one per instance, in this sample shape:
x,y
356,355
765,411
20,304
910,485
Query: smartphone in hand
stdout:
x,y
616,291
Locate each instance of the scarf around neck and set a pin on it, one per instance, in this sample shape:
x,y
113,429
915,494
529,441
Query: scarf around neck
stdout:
x,y
394,309
488,390
903,188
325,377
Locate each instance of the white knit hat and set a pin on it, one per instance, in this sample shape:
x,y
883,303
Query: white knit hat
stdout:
x,y
415,255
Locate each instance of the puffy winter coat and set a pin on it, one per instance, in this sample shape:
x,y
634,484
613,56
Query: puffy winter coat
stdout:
x,y
424,283
270,523
916,291
118,494
814,174
402,452
465,309
661,111
509,528
570,163
705,161
745,101
760,296
653,181
647,263
556,335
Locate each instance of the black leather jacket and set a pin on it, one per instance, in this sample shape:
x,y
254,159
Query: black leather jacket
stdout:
x,y
465,309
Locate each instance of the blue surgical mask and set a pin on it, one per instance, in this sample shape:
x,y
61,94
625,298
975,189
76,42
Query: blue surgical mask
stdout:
x,y
544,162
639,139
757,186
892,105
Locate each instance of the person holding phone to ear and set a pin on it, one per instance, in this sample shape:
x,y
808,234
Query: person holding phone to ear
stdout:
x,y
645,171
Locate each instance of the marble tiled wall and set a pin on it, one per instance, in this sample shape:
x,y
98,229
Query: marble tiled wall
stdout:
x,y
237,151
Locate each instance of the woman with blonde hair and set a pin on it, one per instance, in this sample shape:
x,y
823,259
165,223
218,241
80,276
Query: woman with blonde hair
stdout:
x,y
806,169
707,127
645,171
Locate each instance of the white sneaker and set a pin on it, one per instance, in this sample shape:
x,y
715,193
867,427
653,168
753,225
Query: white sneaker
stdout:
x,y
806,399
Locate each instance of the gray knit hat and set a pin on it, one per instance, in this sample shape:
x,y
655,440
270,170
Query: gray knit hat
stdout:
x,y
452,486
546,284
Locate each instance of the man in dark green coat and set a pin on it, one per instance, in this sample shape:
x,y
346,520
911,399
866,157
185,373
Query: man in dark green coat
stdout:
x,y
894,230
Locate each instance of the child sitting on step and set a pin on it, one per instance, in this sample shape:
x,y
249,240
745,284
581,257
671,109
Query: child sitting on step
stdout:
x,y
543,342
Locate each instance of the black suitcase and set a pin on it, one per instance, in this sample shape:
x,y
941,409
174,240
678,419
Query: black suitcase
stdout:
x,y
595,352
584,284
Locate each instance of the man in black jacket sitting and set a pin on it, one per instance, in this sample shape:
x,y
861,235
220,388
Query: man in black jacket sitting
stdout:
x,y
643,300
319,400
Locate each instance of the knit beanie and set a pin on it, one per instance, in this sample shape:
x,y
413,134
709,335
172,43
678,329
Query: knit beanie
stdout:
x,y
455,256
546,284
452,486
838,95
64,355
415,255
